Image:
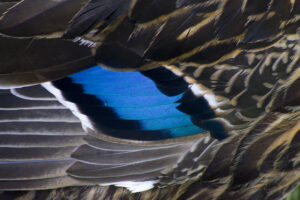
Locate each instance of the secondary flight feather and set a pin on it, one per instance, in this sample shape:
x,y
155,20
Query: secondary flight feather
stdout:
x,y
151,94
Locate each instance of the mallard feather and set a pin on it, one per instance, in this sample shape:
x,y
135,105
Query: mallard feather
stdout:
x,y
181,99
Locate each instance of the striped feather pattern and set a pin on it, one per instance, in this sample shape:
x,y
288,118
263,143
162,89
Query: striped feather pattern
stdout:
x,y
43,145
238,59
33,156
249,89
129,110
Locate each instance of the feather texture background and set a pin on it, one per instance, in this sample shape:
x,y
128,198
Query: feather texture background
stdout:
x,y
198,99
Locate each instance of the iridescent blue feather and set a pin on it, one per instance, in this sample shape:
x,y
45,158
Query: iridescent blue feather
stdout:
x,y
150,105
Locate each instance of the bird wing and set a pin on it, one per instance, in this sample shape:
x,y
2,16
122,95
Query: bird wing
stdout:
x,y
82,135
38,136
236,66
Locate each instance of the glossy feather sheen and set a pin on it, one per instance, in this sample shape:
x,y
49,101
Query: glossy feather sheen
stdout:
x,y
131,101
43,146
210,109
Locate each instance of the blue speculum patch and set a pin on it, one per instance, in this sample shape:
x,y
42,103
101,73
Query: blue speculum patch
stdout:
x,y
150,105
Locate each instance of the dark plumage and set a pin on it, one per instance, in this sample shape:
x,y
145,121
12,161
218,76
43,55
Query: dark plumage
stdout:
x,y
186,99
